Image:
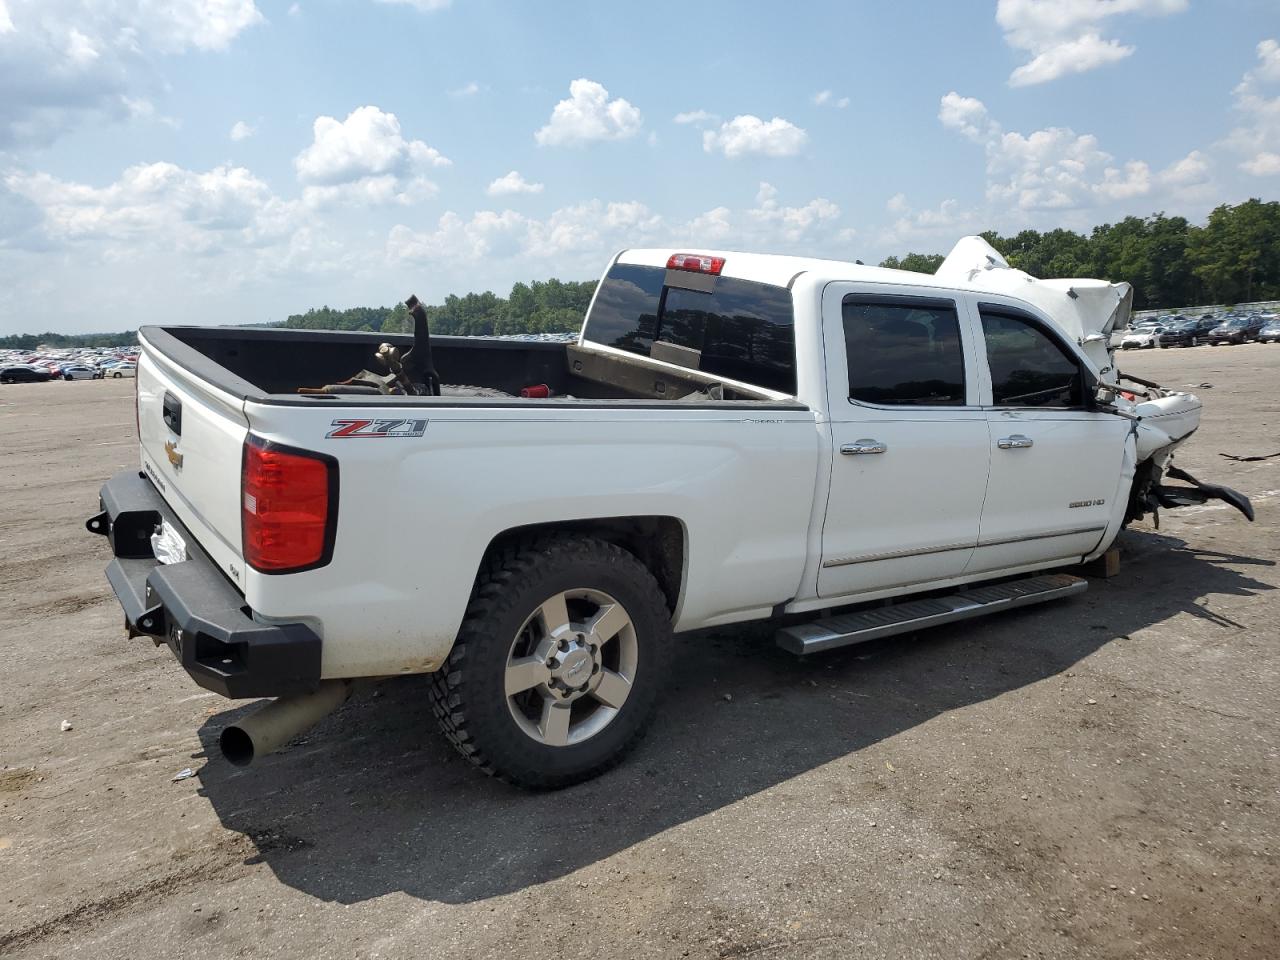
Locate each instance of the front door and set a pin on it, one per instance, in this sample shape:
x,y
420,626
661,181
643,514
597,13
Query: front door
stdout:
x,y
910,443
1055,462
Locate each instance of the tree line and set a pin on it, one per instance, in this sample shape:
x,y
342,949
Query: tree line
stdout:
x,y
544,306
29,341
1233,258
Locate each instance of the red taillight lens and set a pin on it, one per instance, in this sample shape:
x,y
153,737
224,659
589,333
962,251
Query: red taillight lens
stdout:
x,y
289,507
695,263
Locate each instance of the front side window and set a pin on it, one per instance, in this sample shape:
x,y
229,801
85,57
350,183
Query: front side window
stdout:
x,y
740,330
1028,368
903,353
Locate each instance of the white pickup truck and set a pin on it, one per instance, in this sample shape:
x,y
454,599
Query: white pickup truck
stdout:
x,y
850,451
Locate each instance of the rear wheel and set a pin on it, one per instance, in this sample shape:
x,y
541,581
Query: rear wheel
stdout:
x,y
559,662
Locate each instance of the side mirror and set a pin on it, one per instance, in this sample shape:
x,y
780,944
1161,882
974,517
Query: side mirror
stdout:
x,y
1103,395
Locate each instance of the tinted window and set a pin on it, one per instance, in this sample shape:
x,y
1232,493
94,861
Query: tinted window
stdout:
x,y
1028,369
903,354
625,312
740,330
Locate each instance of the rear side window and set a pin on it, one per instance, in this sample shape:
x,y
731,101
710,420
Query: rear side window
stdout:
x,y
903,353
739,330
1028,368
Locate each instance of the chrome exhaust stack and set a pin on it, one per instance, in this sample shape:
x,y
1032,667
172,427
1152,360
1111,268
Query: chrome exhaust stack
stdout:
x,y
274,725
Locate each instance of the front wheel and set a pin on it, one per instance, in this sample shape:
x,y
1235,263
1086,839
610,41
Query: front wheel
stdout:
x,y
559,662
116,376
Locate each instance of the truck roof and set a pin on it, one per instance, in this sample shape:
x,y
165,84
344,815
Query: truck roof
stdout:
x,y
1087,310
780,269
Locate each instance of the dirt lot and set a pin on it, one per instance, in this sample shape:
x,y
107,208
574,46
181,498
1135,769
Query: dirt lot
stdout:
x,y
1093,778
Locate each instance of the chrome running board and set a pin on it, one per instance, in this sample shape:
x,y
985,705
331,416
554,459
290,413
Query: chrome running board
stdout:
x,y
911,615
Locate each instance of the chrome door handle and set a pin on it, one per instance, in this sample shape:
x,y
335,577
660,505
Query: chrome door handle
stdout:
x,y
1015,442
863,446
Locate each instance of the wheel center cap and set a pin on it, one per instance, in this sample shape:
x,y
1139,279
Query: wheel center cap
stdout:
x,y
576,667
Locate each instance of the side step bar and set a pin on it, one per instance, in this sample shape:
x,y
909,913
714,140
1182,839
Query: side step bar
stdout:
x,y
912,615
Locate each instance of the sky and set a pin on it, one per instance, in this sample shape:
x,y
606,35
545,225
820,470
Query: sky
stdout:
x,y
235,161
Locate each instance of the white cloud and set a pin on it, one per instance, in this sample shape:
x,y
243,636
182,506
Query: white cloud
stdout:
x,y
697,117
588,114
1257,102
513,182
365,159
62,60
967,115
791,223
295,9
1263,165
1065,36
241,131
1056,169
426,6
466,90
826,98
939,226
159,206
749,134
582,236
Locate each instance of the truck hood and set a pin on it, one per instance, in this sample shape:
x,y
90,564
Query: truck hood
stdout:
x,y
1088,311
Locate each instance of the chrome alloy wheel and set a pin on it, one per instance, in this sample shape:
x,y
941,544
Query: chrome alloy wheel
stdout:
x,y
571,667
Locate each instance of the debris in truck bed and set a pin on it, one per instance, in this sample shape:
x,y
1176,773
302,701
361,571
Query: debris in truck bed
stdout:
x,y
411,373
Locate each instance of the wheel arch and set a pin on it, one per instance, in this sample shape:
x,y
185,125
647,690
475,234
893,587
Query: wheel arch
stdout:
x,y
659,542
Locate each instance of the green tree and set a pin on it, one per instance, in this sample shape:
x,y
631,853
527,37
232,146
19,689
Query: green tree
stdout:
x,y
915,262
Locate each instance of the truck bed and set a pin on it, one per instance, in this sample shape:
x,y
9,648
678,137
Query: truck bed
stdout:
x,y
254,364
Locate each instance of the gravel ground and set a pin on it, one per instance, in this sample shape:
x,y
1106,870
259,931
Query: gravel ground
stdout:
x,y
1098,777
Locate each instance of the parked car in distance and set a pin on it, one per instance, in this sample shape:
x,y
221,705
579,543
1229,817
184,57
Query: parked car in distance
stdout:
x,y
118,370
24,373
1186,332
1142,337
1270,332
1236,330
80,371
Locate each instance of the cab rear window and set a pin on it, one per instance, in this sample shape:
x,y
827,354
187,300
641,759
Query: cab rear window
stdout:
x,y
739,329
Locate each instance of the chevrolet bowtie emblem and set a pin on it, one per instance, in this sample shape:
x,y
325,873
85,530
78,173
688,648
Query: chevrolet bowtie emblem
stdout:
x,y
175,458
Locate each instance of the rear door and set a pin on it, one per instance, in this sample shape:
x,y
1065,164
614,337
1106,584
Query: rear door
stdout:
x,y
1055,462
910,441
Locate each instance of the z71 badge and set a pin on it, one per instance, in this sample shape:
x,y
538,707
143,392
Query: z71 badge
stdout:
x,y
377,429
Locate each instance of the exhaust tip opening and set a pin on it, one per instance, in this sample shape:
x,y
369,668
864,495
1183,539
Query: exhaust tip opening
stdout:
x,y
237,746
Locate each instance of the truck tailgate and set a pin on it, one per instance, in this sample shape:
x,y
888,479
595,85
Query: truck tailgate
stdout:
x,y
192,435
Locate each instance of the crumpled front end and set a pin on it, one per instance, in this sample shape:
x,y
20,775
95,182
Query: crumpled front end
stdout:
x,y
1091,312
1163,420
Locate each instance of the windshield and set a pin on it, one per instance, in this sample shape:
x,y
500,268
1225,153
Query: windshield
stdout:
x,y
1237,322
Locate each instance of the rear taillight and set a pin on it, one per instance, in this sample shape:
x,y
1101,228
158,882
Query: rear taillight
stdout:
x,y
289,507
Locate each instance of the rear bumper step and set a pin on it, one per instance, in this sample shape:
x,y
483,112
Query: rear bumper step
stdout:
x,y
193,607
912,615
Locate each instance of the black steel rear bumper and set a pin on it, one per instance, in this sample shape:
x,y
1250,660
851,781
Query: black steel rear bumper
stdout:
x,y
193,607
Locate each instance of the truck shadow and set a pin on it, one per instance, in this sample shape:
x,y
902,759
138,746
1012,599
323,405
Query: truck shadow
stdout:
x,y
374,801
